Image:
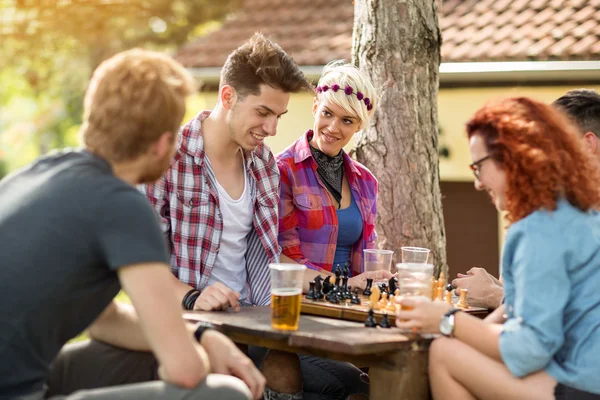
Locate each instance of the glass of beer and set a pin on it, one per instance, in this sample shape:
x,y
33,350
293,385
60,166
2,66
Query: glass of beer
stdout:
x,y
415,255
286,293
378,260
414,281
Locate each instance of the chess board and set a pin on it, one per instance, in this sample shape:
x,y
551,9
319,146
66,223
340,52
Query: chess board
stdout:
x,y
359,312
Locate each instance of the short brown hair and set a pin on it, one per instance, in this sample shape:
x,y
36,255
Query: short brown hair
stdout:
x,y
260,61
541,153
133,98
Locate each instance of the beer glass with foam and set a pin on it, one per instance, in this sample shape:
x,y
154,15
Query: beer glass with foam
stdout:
x,y
286,294
414,281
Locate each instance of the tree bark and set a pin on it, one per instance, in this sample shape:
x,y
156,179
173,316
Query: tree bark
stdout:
x,y
397,43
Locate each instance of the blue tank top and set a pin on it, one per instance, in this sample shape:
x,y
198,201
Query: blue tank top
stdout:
x,y
350,225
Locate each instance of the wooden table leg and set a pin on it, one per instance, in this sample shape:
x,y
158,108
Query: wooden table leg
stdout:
x,y
406,380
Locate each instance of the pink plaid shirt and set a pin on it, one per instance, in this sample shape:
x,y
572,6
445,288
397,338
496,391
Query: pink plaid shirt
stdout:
x,y
187,203
308,224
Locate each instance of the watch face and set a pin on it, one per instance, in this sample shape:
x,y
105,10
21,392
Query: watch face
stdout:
x,y
446,325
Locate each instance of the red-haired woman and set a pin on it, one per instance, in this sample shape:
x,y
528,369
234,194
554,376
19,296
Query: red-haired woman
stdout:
x,y
530,161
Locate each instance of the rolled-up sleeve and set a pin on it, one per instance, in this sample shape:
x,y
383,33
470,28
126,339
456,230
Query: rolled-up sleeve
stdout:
x,y
537,261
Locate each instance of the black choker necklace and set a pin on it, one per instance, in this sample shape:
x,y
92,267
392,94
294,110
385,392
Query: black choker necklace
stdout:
x,y
331,171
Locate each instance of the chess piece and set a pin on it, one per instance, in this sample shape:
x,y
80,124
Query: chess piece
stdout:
x,y
442,279
383,302
374,298
449,287
347,292
391,305
333,296
337,273
448,297
441,284
311,291
367,291
439,294
371,322
397,292
392,285
327,285
462,301
319,288
355,299
345,283
383,287
385,322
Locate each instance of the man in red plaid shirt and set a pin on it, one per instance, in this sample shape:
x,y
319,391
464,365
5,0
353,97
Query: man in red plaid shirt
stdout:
x,y
218,202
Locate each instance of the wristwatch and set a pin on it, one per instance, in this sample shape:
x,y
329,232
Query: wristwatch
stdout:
x,y
447,323
201,328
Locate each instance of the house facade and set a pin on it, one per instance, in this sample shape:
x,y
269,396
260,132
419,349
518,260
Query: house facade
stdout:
x,y
491,49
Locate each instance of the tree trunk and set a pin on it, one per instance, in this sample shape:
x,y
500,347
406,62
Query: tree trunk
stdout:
x,y
397,43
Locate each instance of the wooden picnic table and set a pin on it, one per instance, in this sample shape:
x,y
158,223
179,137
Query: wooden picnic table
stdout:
x,y
397,361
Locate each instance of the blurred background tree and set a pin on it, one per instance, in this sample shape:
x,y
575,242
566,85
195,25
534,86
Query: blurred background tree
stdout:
x,y
50,47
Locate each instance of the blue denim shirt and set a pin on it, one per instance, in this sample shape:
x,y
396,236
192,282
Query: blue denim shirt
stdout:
x,y
551,269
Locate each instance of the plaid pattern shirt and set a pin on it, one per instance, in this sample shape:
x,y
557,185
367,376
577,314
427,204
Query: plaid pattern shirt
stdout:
x,y
187,203
308,224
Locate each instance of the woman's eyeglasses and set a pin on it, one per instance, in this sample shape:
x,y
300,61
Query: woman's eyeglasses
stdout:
x,y
476,165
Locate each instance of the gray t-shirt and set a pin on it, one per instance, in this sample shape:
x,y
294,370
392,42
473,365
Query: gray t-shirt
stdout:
x,y
66,225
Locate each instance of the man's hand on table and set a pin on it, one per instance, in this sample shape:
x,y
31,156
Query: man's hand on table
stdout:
x,y
484,290
226,358
217,297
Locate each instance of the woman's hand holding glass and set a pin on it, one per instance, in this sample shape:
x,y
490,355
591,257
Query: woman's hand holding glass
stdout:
x,y
421,316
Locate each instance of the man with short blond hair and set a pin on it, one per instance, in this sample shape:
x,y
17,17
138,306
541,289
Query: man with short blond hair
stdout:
x,y
74,231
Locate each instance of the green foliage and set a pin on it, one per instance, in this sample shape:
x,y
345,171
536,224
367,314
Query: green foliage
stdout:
x,y
50,47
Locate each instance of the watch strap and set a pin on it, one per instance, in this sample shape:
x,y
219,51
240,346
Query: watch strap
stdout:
x,y
202,327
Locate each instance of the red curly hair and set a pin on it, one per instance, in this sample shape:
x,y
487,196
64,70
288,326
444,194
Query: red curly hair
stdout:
x,y
541,153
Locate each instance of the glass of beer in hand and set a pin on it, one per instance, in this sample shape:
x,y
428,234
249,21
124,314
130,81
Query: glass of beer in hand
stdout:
x,y
286,294
414,281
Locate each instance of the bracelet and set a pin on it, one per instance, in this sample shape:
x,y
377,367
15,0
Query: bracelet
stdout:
x,y
189,299
202,327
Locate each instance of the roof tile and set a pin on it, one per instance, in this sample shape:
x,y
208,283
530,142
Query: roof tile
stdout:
x,y
315,32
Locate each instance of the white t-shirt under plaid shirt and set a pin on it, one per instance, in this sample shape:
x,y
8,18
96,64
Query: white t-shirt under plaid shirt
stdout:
x,y
187,202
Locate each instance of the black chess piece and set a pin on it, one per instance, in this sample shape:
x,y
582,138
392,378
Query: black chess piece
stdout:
x,y
385,322
392,285
449,287
383,287
337,273
346,270
333,296
371,322
355,299
346,290
327,285
319,287
367,291
311,291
